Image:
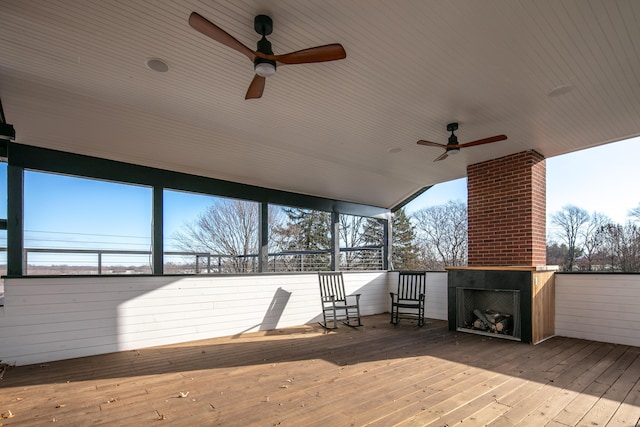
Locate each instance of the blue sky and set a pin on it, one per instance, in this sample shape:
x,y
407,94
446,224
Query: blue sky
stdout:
x,y
604,179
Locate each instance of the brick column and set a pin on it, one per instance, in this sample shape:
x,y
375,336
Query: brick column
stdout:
x,y
507,211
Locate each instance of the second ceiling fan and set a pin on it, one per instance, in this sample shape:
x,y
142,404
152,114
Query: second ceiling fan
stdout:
x,y
453,147
265,62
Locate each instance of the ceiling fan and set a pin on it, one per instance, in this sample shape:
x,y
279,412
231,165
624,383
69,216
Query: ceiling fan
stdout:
x,y
452,147
264,60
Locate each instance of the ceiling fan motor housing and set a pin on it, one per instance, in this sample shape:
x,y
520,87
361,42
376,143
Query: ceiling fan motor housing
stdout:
x,y
453,139
264,26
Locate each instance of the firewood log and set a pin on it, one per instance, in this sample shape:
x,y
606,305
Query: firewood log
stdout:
x,y
503,325
482,318
492,315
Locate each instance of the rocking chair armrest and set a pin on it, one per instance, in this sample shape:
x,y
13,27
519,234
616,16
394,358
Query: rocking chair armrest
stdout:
x,y
354,295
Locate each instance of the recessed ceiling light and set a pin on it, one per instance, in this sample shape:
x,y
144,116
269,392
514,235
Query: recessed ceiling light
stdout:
x,y
560,90
394,150
158,65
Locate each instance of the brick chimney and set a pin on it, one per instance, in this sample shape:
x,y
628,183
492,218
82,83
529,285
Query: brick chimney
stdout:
x,y
507,211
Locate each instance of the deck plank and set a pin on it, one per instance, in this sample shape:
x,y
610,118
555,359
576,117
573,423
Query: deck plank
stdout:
x,y
377,375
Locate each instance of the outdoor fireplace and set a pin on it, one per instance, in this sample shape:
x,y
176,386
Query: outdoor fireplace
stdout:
x,y
489,311
516,303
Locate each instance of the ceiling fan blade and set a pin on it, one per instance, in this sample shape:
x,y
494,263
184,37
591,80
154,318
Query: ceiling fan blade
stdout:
x,y
431,144
208,28
483,141
329,52
256,88
441,156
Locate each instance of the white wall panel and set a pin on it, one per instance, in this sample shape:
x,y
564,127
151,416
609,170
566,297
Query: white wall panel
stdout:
x,y
435,297
600,307
47,319
436,302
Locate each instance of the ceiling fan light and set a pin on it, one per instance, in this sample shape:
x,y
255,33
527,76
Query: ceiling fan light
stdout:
x,y
265,69
453,150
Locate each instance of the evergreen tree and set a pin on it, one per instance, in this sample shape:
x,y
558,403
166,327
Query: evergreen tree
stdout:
x,y
305,230
405,251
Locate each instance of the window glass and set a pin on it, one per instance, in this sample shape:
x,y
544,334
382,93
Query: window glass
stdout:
x,y
207,234
77,225
361,243
300,240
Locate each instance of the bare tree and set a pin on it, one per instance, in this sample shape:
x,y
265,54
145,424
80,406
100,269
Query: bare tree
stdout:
x,y
229,228
353,234
612,242
443,233
629,248
635,213
593,236
570,220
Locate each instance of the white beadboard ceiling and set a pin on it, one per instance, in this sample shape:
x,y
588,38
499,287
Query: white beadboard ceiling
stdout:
x,y
73,77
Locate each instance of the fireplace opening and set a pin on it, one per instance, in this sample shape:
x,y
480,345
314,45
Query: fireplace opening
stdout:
x,y
492,312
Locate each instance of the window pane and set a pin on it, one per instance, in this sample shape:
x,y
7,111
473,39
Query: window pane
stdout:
x,y
76,225
301,240
360,243
207,234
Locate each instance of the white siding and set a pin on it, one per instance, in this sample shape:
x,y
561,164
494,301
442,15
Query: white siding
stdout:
x,y
600,307
436,294
436,298
47,319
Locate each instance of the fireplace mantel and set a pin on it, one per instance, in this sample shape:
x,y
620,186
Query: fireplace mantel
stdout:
x,y
508,268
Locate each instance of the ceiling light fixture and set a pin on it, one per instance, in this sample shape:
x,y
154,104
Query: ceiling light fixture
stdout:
x,y
560,90
158,65
265,68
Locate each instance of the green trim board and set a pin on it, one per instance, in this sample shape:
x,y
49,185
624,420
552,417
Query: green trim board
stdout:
x,y
48,160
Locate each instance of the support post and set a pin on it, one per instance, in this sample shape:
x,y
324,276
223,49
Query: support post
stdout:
x,y
387,242
263,249
157,232
335,241
15,222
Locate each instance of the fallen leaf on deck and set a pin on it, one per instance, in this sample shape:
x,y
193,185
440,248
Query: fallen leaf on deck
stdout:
x,y
6,415
183,394
62,405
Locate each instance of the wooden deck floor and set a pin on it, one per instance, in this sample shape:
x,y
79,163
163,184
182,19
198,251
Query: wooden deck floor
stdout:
x,y
376,375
